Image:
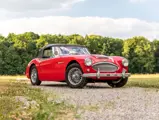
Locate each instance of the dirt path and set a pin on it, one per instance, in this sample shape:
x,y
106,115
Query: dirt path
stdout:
x,y
100,102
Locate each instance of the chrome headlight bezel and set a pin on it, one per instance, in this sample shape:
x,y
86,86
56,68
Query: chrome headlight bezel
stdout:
x,y
88,61
125,62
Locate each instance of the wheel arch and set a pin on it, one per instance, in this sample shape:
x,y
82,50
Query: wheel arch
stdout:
x,y
71,62
78,61
83,82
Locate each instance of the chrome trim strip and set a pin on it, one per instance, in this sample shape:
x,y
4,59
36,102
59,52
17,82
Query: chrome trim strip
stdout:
x,y
60,62
99,75
111,59
104,62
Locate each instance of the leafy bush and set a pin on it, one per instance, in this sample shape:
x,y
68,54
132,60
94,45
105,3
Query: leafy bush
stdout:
x,y
17,50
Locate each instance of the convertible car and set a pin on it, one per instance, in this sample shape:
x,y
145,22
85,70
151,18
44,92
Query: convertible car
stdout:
x,y
76,66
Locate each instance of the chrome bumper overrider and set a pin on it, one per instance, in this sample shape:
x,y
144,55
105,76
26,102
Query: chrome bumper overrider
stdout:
x,y
99,75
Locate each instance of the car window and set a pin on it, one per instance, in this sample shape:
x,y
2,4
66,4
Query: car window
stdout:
x,y
47,53
56,51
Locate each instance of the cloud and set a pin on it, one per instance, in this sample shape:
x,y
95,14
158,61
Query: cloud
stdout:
x,y
29,5
122,28
33,8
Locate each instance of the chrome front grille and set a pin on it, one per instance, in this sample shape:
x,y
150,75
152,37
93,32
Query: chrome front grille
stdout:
x,y
105,67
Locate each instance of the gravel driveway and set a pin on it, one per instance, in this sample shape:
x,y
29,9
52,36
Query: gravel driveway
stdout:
x,y
100,102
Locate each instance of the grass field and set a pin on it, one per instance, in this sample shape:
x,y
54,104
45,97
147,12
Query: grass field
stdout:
x,y
20,101
144,81
136,80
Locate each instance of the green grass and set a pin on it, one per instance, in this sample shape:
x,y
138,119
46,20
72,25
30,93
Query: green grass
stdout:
x,y
143,82
34,104
44,109
11,77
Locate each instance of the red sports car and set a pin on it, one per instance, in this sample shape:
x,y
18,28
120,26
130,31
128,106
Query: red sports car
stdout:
x,y
75,65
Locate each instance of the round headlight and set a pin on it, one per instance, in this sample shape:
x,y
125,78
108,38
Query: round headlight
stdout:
x,y
125,62
88,62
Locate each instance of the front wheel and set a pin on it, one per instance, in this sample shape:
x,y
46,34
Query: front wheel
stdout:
x,y
118,83
74,77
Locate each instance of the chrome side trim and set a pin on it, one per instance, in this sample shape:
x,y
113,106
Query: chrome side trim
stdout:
x,y
60,62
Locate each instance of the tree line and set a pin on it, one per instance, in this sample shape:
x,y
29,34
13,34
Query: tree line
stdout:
x,y
16,50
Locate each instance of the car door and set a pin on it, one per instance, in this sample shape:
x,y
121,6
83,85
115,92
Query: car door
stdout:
x,y
47,65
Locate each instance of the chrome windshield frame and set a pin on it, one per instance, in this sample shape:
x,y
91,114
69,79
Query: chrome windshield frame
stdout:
x,y
84,50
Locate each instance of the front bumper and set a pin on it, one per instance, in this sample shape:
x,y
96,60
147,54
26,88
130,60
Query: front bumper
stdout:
x,y
102,75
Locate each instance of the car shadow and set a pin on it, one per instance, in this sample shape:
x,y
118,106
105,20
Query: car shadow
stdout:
x,y
97,87
54,85
88,86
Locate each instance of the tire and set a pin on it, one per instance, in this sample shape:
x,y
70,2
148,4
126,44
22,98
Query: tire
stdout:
x,y
34,76
119,83
73,76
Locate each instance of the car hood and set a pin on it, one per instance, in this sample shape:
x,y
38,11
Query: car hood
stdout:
x,y
99,58
104,58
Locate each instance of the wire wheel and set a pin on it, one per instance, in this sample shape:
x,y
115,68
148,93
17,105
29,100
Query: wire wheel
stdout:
x,y
34,75
75,76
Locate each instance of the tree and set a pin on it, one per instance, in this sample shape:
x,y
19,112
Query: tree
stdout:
x,y
140,54
155,46
93,43
112,47
16,50
76,39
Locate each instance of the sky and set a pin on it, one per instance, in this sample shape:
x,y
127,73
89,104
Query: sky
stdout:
x,y
111,18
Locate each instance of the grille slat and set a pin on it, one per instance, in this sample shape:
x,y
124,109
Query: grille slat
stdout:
x,y
105,67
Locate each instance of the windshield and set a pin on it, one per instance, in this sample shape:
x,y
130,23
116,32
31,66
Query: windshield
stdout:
x,y
69,50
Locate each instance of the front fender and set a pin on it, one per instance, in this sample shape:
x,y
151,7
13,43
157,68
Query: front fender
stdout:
x,y
32,62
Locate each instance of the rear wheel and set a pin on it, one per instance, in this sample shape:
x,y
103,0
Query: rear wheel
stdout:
x,y
74,77
34,76
118,83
